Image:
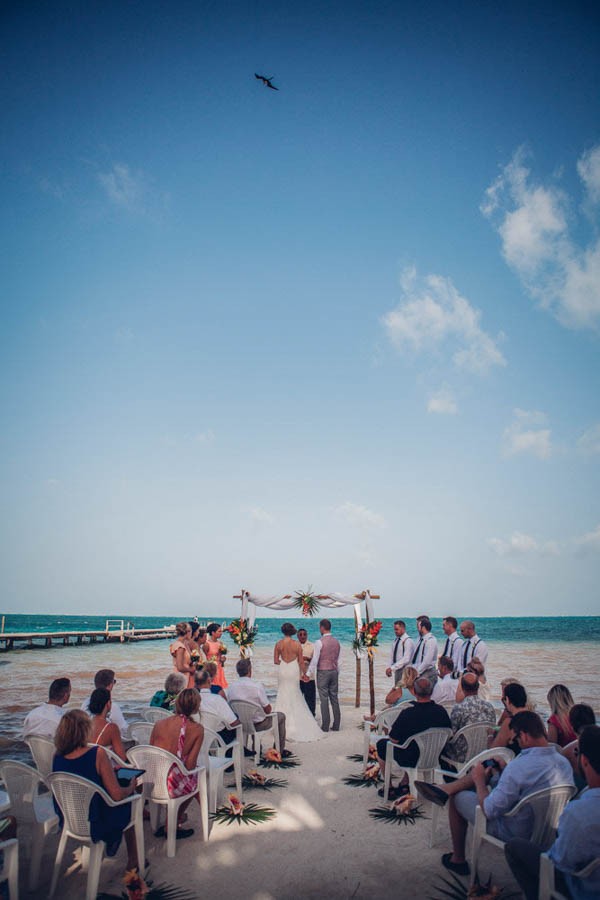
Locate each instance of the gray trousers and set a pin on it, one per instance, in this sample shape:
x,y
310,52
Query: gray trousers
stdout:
x,y
266,724
327,686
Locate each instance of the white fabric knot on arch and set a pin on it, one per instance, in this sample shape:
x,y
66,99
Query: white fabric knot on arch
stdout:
x,y
332,600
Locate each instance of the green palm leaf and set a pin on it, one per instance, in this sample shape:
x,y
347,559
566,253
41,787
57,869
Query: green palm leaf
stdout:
x,y
252,814
289,762
359,780
385,814
249,784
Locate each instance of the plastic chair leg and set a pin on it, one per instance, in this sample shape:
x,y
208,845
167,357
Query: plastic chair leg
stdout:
x,y
37,849
172,811
203,797
58,862
93,879
237,768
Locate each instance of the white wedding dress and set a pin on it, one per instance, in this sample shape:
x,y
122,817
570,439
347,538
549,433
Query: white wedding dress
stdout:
x,y
300,724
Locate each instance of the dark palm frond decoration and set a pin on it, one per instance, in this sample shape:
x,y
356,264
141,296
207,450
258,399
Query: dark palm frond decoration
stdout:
x,y
273,760
362,780
236,811
456,889
307,602
158,892
256,781
403,811
355,757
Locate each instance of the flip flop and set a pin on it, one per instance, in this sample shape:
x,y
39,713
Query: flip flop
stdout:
x,y
432,793
457,868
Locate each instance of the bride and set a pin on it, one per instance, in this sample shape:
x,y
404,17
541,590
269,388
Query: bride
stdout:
x,y
300,724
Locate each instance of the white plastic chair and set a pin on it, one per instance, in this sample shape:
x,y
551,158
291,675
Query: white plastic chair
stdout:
x,y
153,714
74,795
140,732
245,711
212,722
546,806
157,763
439,774
375,729
476,738
10,867
212,757
430,744
547,890
33,811
43,750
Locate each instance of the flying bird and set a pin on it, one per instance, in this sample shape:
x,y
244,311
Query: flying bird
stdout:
x,y
266,81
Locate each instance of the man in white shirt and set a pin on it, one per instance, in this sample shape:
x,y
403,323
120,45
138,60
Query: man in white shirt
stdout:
x,y
452,644
105,678
401,653
425,655
217,706
246,688
445,687
43,720
472,646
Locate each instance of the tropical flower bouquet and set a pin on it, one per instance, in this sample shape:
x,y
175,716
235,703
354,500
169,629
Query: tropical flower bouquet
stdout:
x,y
403,811
273,760
367,637
236,811
456,889
243,635
307,602
368,777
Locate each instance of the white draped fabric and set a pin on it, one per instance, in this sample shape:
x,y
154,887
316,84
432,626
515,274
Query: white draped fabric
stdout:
x,y
286,601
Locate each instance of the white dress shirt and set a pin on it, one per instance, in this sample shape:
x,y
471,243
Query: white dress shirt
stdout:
x,y
253,691
473,647
454,644
404,653
43,721
115,716
444,690
315,660
426,653
218,706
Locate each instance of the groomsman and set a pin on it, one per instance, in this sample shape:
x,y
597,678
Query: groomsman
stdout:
x,y
424,658
472,646
402,651
453,644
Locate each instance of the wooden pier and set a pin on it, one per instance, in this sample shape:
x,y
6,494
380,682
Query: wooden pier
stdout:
x,y
122,633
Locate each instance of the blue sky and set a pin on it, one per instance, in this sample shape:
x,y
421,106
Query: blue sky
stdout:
x,y
344,334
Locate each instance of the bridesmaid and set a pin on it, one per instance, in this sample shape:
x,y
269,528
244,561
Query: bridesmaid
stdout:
x,y
212,648
182,660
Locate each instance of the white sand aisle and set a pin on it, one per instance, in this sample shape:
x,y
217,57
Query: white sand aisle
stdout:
x,y
322,843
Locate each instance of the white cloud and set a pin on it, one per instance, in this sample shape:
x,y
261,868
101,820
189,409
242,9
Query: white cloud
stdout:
x,y
258,514
519,544
124,188
533,223
589,172
442,402
433,315
204,437
525,435
589,542
589,442
360,516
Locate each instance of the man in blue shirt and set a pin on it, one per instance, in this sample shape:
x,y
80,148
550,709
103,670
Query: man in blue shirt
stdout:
x,y
578,840
537,766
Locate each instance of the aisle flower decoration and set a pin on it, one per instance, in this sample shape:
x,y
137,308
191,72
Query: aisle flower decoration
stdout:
x,y
254,780
273,760
307,602
456,889
243,635
135,885
403,811
369,776
367,637
236,811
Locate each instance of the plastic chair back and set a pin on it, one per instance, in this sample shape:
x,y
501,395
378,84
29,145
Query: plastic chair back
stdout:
x,y
245,711
154,713
547,806
140,732
157,763
74,795
430,744
22,783
43,750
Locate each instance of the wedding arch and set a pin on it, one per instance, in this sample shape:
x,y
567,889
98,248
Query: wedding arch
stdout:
x,y
309,603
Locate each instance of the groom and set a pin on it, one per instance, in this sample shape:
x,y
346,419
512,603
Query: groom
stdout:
x,y
325,662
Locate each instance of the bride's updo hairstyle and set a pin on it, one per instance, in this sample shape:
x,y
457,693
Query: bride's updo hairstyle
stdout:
x,y
288,629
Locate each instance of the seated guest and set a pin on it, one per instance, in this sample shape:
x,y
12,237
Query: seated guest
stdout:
x,y
477,667
402,692
538,766
107,823
104,733
215,704
578,839
514,699
182,737
418,717
174,684
43,720
445,687
212,669
559,728
580,715
105,678
473,710
246,688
